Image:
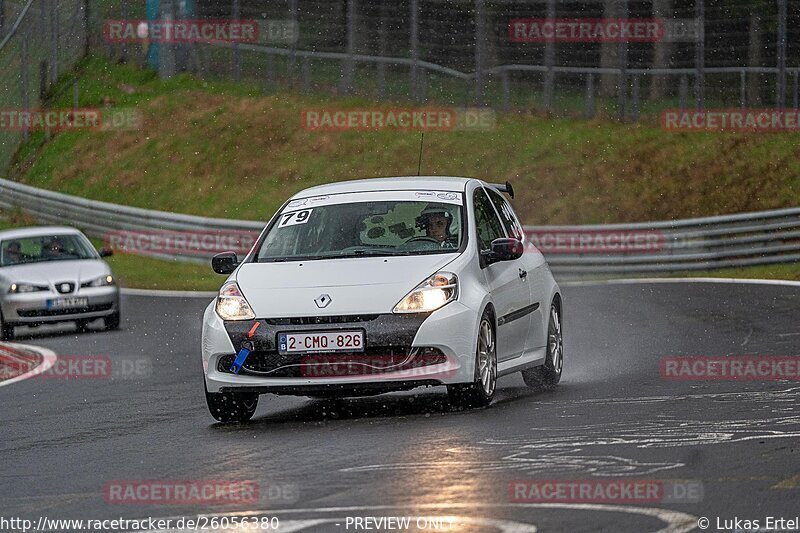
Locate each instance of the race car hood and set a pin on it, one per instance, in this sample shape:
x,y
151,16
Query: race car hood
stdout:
x,y
368,285
47,272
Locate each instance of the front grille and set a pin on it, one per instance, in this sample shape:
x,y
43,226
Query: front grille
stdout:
x,y
65,287
376,360
38,313
313,320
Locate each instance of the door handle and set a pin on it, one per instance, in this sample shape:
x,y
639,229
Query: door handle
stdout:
x,y
523,274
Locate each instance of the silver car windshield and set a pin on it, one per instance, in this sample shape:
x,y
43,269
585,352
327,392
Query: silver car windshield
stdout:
x,y
363,228
44,248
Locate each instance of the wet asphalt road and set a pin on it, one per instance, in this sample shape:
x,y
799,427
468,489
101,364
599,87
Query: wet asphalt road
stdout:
x,y
411,454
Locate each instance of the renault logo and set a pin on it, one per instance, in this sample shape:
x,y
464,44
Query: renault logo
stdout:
x,y
323,300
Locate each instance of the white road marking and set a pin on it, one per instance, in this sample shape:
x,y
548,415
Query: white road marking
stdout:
x,y
675,521
634,281
48,359
169,294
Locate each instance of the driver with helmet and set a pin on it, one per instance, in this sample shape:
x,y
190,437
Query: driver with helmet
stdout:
x,y
436,220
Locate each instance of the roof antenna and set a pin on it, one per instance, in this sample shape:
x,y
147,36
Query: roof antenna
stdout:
x,y
419,165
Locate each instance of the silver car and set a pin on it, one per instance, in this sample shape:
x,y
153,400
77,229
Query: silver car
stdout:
x,y
54,274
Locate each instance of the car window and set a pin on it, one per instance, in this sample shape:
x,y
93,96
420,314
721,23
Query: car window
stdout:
x,y
44,248
393,227
489,226
510,222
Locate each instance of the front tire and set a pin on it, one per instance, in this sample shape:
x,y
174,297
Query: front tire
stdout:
x,y
548,375
6,330
480,392
231,406
111,322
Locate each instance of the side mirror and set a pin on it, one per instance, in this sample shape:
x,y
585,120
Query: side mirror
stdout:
x,y
504,250
225,263
106,252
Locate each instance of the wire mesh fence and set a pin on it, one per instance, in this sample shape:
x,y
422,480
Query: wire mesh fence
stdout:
x,y
39,40
559,56
708,53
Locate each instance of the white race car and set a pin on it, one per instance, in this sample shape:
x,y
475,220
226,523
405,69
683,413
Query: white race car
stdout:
x,y
370,286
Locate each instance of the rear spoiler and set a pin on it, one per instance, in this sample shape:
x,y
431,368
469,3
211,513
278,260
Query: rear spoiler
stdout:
x,y
506,188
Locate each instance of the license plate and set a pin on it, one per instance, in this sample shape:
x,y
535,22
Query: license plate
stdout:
x,y
321,342
67,303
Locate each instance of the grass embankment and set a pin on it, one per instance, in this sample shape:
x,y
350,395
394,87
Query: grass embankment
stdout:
x,y
236,151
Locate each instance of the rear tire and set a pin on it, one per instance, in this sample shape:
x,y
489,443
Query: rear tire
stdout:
x,y
480,392
6,330
231,406
548,375
111,322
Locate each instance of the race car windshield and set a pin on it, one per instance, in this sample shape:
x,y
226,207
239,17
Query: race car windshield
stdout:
x,y
375,228
44,248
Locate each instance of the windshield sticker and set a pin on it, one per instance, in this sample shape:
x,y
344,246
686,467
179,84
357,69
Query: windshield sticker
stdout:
x,y
297,203
294,218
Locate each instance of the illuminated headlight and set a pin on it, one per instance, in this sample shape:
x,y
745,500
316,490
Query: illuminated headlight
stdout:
x,y
103,281
232,305
430,295
20,288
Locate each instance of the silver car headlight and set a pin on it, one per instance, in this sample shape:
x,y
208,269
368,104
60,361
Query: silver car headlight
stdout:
x,y
433,293
102,281
20,288
232,305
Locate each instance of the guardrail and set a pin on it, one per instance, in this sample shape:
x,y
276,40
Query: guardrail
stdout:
x,y
744,239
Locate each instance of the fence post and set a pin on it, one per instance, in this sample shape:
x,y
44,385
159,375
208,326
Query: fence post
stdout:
x,y
24,80
349,64
54,42
292,61
549,61
743,88
781,81
383,38
480,39
635,98
622,95
414,48
794,91
683,92
2,19
506,90
589,111
125,41
307,74
76,95
237,55
700,54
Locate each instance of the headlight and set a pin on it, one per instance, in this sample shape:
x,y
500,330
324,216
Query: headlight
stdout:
x,y
232,305
19,288
103,281
430,295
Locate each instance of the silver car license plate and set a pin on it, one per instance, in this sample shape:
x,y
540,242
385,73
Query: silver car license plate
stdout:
x,y
321,341
67,303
